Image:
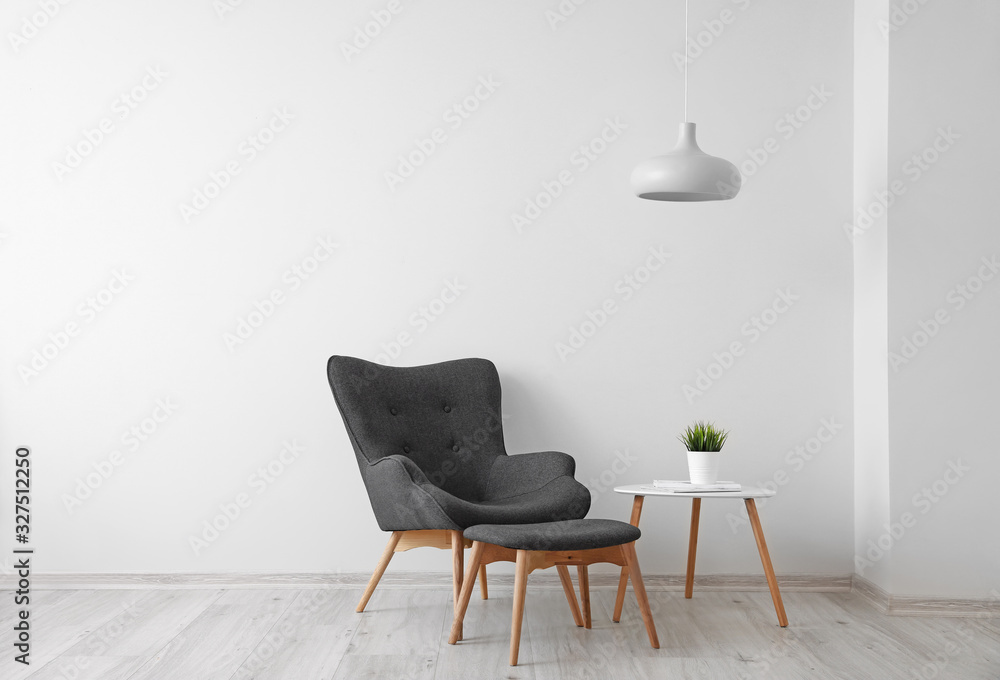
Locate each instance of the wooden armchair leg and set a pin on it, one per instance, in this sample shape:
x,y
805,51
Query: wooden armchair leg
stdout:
x,y
567,584
482,582
620,599
584,593
623,578
628,551
383,562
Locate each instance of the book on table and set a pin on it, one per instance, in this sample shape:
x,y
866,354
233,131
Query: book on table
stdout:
x,y
683,486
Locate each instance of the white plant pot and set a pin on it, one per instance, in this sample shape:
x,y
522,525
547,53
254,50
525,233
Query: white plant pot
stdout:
x,y
703,466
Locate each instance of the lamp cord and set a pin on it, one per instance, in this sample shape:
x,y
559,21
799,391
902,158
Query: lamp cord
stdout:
x,y
686,58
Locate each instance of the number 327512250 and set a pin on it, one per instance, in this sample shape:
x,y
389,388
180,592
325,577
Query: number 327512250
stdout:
x,y
22,491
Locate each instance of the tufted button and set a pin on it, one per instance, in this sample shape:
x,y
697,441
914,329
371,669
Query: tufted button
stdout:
x,y
455,448
406,449
447,409
393,411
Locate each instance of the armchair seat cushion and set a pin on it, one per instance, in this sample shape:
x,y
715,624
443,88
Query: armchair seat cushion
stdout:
x,y
559,499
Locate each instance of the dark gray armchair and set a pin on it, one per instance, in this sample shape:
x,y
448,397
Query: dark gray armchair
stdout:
x,y
429,443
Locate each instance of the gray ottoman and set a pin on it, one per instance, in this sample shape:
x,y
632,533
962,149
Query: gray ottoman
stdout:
x,y
575,542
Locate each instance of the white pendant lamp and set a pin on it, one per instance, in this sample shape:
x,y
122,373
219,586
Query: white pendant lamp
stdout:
x,y
687,173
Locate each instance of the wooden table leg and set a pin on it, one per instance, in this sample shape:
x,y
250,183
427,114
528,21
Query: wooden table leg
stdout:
x,y
623,578
383,562
520,588
457,564
567,585
482,582
692,547
475,559
584,579
765,558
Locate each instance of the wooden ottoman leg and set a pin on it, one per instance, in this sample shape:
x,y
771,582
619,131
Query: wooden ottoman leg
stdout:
x,y
628,552
567,584
623,579
482,582
475,559
520,587
383,562
584,593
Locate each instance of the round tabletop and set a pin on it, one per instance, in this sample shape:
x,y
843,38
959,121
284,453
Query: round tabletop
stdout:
x,y
650,490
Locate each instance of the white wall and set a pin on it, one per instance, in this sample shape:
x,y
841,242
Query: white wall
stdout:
x,y
945,76
867,231
162,337
926,322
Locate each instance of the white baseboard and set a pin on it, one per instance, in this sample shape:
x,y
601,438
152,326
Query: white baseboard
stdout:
x,y
913,605
404,579
893,605
871,593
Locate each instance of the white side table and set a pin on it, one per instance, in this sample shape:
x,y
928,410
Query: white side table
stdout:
x,y
748,494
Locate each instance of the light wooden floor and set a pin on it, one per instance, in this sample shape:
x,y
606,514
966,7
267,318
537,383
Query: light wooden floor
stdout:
x,y
314,633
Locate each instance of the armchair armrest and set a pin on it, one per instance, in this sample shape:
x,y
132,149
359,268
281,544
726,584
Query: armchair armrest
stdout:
x,y
527,472
396,490
413,470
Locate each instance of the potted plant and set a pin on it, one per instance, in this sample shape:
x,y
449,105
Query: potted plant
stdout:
x,y
704,441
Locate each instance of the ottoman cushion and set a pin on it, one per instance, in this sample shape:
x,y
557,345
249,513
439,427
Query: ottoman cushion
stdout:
x,y
573,534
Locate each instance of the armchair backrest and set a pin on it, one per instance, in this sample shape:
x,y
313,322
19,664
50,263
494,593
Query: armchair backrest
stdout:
x,y
444,417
